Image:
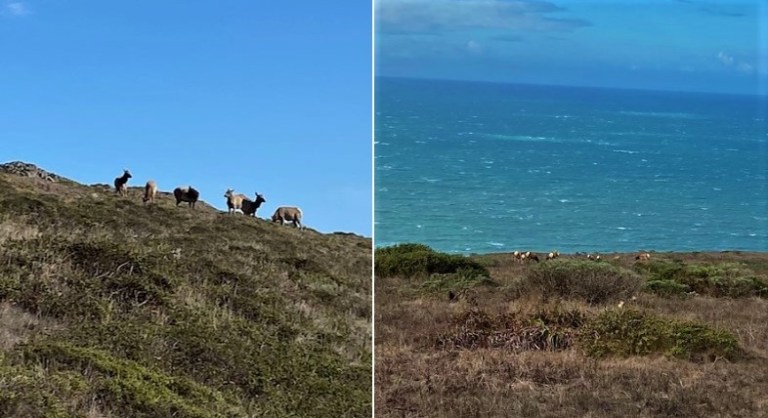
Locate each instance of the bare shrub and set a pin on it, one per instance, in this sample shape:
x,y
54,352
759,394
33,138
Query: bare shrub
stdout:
x,y
592,282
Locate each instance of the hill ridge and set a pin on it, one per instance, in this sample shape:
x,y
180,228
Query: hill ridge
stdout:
x,y
115,308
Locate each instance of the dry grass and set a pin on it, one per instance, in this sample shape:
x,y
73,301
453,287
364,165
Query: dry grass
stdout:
x,y
415,377
17,326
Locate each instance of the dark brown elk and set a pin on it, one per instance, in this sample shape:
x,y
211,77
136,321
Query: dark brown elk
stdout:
x,y
121,182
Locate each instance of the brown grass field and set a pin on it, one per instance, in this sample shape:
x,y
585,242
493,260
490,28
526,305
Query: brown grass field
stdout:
x,y
505,348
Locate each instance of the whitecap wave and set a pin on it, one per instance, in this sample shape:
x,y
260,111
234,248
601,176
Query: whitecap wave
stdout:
x,y
674,115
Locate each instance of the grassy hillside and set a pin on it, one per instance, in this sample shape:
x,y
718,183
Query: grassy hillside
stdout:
x,y
110,308
683,335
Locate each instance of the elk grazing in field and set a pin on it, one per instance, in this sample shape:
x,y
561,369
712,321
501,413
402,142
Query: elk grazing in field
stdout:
x,y
523,256
644,256
150,190
288,213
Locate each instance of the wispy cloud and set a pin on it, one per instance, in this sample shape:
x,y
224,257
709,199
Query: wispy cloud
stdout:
x,y
717,9
453,15
508,38
725,58
15,8
738,64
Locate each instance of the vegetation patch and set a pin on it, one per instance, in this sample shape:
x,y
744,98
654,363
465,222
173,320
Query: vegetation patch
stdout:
x,y
130,385
542,331
418,260
667,287
157,310
592,282
455,282
27,392
733,280
627,332
613,332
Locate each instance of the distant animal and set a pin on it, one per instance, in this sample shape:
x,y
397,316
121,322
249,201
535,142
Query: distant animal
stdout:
x,y
531,256
593,257
553,255
249,207
186,194
150,190
234,201
288,213
121,182
643,256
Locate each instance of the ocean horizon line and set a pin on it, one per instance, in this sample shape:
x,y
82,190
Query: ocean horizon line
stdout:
x,y
571,251
756,95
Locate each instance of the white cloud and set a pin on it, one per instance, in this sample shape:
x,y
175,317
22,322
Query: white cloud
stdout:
x,y
730,61
474,47
449,15
746,67
16,8
725,58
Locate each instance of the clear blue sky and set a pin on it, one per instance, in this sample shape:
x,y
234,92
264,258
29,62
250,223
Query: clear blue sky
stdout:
x,y
693,45
268,97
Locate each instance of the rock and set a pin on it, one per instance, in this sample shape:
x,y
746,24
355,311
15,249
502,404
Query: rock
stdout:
x,y
20,168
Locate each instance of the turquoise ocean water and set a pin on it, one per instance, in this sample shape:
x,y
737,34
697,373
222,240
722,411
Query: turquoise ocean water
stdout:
x,y
474,167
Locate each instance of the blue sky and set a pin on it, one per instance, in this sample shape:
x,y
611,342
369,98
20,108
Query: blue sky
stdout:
x,y
691,45
264,97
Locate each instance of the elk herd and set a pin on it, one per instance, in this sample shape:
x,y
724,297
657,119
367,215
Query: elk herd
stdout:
x,y
235,202
523,257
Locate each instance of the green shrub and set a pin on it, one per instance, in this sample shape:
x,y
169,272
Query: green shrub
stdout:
x,y
583,280
667,287
418,260
144,391
716,280
403,249
625,332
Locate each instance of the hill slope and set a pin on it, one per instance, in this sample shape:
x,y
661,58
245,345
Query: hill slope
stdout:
x,y
110,308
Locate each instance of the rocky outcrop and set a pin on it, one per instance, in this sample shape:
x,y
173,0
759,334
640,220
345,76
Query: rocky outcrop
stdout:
x,y
28,170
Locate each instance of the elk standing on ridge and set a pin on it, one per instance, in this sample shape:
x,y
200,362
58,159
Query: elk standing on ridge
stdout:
x,y
249,207
121,182
186,194
234,201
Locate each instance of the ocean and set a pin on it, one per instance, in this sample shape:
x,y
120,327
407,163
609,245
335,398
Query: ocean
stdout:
x,y
472,167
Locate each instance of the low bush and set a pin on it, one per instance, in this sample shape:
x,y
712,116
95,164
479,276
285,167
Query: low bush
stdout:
x,y
667,288
626,332
543,331
582,280
717,280
417,260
